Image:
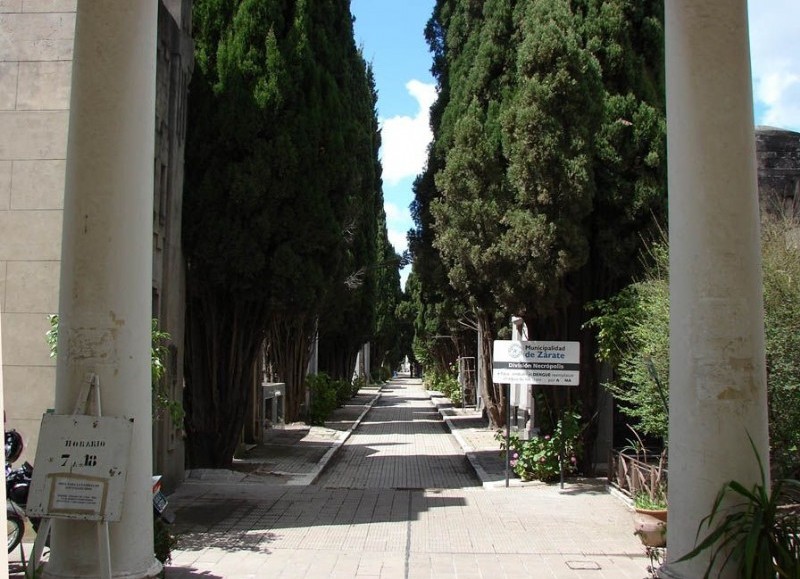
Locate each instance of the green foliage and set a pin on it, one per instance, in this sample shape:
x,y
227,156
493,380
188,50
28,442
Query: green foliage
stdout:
x,y
344,391
163,541
539,458
444,382
781,267
645,501
162,399
633,335
52,334
282,205
323,393
755,533
547,165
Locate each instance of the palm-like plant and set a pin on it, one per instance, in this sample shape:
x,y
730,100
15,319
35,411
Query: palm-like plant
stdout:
x,y
758,532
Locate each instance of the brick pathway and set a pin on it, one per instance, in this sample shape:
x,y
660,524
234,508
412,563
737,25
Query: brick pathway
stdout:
x,y
401,444
399,500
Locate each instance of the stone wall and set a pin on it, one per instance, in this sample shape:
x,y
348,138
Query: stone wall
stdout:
x,y
36,38
778,156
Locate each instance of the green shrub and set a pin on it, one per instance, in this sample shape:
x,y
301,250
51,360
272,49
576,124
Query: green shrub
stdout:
x,y
357,385
343,390
538,458
446,383
322,392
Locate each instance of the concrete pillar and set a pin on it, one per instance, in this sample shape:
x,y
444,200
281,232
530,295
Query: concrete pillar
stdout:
x,y
717,367
106,267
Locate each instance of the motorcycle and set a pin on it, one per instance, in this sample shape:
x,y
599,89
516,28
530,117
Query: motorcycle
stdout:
x,y
160,503
18,484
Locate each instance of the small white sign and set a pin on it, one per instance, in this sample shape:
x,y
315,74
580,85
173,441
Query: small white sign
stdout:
x,y
81,466
540,363
76,494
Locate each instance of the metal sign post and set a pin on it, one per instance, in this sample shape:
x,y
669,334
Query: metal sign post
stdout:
x,y
535,363
508,430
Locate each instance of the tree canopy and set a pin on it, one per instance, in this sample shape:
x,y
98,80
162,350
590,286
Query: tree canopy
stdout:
x,y
548,162
281,207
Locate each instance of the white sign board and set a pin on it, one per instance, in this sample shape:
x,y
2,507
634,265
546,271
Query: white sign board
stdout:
x,y
81,466
540,363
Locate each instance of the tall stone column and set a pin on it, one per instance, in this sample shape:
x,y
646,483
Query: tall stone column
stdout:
x,y
106,267
717,367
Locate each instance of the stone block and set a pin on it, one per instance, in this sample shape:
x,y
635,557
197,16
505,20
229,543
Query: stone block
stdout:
x,y
37,185
49,5
44,86
33,135
5,185
30,235
32,390
3,265
24,342
36,36
8,85
32,287
10,6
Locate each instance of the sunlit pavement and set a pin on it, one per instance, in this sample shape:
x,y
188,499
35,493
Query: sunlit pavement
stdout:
x,y
399,499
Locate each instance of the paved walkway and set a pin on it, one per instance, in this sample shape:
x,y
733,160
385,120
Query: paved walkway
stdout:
x,y
384,491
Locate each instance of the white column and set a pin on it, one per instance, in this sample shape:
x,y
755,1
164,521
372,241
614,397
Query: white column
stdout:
x,y
106,267
717,367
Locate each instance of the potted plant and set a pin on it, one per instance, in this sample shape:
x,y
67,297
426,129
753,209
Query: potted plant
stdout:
x,y
650,522
754,529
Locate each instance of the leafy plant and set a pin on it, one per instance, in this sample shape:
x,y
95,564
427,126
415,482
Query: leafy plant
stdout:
x,y
646,501
633,336
446,383
781,264
163,541
540,458
162,399
322,392
756,533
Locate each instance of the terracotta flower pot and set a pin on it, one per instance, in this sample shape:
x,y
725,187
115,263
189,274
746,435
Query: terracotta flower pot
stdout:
x,y
660,514
651,530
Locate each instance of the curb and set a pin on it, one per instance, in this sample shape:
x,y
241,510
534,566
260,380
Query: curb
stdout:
x,y
487,482
311,477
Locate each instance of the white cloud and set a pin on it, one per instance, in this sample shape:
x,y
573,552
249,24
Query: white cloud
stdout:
x,y
393,212
405,139
398,240
774,30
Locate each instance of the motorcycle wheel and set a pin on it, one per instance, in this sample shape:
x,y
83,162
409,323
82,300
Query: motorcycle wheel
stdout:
x,y
15,526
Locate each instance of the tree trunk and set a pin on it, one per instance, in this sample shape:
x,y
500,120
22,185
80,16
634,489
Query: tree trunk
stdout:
x,y
494,397
288,347
223,338
337,357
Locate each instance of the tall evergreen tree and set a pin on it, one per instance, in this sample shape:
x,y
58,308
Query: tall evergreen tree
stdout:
x,y
273,189
547,163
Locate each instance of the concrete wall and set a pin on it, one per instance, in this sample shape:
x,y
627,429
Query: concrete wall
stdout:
x,y
36,38
174,70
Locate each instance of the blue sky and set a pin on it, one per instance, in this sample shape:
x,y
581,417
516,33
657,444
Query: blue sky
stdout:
x,y
391,33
